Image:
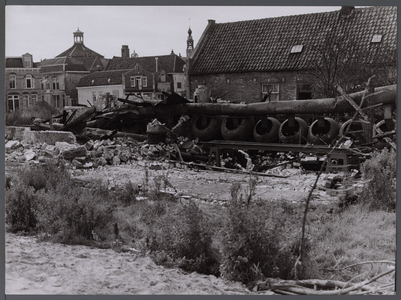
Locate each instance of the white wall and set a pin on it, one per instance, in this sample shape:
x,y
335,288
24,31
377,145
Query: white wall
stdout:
x,y
85,93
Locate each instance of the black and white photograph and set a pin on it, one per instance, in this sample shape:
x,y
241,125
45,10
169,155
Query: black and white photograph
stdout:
x,y
200,149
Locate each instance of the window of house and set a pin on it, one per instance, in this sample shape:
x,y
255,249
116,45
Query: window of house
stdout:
x,y
55,84
132,81
56,101
273,90
144,81
304,91
34,99
28,62
13,81
25,100
178,85
163,76
138,82
29,81
13,102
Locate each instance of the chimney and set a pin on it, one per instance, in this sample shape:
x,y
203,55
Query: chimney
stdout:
x,y
124,51
211,22
346,10
157,68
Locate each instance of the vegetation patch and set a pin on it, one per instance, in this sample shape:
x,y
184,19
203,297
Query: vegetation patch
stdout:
x,y
248,240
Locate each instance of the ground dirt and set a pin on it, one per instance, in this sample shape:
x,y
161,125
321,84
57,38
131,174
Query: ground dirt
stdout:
x,y
37,267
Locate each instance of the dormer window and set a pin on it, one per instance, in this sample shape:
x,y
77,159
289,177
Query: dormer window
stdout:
x,y
27,62
297,49
377,38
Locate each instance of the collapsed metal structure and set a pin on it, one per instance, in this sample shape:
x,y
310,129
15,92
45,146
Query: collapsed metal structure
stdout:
x,y
315,121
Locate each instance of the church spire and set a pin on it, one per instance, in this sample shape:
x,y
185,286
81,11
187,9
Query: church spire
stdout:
x,y
190,40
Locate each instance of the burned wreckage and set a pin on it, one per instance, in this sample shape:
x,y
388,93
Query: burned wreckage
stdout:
x,y
344,128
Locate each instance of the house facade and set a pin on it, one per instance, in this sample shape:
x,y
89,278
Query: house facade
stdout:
x,y
150,76
284,58
101,87
22,82
60,75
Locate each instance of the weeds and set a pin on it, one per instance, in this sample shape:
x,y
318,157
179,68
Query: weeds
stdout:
x,y
380,192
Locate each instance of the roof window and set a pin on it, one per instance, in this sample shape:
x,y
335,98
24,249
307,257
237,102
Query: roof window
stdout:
x,y
297,49
377,38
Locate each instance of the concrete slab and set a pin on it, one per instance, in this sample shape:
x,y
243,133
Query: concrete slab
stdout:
x,y
16,133
50,137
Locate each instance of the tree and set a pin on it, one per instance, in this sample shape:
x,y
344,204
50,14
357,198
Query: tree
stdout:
x,y
340,60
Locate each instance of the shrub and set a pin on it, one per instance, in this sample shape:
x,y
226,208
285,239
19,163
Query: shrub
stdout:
x,y
20,208
44,176
45,198
12,117
380,192
81,212
183,238
128,194
257,240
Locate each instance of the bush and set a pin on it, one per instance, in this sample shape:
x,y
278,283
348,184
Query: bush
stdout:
x,y
81,212
128,194
44,176
44,198
12,117
258,240
182,237
20,208
380,192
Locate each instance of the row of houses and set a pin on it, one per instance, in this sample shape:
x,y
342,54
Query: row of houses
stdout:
x,y
81,76
272,59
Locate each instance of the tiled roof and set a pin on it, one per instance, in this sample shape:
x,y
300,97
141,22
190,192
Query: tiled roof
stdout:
x,y
52,61
169,63
56,64
16,62
102,78
79,50
265,44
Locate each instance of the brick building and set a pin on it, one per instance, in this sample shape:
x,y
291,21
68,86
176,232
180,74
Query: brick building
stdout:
x,y
150,76
278,58
22,82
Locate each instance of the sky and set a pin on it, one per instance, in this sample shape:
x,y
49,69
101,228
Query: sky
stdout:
x,y
47,31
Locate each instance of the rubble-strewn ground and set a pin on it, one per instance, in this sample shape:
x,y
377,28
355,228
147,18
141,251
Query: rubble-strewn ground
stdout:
x,y
34,267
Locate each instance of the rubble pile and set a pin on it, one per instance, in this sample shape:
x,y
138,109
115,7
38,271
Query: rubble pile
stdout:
x,y
119,151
